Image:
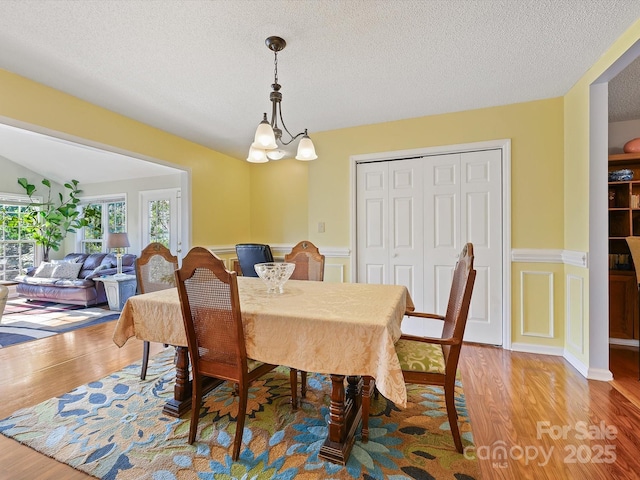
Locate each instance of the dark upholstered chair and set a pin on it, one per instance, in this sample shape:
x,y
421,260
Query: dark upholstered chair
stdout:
x,y
213,322
154,271
309,266
434,361
251,253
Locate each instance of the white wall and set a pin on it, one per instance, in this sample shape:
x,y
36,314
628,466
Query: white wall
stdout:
x,y
621,132
131,188
9,174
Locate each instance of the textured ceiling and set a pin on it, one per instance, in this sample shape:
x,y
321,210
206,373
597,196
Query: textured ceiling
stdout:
x,y
624,94
200,69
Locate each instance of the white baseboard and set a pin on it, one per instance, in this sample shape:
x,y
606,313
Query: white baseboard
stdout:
x,y
539,349
589,373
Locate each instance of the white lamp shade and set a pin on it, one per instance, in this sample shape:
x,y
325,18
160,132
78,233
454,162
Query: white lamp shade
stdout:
x,y
306,150
257,155
117,240
265,138
276,154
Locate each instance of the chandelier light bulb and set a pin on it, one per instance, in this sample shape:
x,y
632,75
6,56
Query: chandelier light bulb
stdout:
x,y
265,138
306,150
276,154
257,155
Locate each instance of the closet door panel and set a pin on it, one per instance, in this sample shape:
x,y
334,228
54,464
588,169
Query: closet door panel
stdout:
x,y
481,189
372,234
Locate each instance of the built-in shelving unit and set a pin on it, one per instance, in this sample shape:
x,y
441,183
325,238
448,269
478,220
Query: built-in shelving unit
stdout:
x,y
624,221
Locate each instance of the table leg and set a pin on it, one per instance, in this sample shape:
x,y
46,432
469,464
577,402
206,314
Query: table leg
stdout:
x,y
181,401
344,417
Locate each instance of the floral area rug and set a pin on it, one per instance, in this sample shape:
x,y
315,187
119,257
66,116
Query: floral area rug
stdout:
x,y
114,429
24,320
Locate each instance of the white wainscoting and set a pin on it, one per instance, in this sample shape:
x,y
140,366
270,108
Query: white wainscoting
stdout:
x,y
574,301
543,296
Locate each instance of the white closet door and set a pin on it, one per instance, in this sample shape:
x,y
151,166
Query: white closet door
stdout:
x,y
373,222
481,195
442,223
463,196
406,253
389,221
414,216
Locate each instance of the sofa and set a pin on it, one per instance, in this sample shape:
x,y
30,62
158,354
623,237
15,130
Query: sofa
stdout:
x,y
70,280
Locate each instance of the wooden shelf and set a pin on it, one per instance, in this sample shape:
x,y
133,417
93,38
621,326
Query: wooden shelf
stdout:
x,y
623,157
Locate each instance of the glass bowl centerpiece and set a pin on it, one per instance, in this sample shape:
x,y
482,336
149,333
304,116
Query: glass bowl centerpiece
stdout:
x,y
274,274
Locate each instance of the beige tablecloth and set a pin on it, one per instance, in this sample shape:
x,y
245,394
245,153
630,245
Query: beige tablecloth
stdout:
x,y
339,328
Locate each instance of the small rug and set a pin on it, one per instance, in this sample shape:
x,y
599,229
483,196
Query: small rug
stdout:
x,y
114,429
24,320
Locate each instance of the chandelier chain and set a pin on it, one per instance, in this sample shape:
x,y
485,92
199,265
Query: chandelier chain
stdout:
x,y
275,67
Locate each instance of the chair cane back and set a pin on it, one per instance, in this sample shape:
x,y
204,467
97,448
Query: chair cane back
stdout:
x,y
309,262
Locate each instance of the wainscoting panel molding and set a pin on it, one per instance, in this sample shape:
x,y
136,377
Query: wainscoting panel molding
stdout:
x,y
536,290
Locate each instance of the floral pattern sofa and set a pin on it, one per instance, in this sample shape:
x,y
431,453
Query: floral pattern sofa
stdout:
x,y
70,280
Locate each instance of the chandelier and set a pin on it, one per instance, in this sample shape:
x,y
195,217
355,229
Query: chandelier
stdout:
x,y
268,141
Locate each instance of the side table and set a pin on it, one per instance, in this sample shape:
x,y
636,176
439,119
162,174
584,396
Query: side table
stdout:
x,y
118,289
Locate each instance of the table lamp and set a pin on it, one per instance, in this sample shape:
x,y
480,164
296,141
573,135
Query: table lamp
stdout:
x,y
118,240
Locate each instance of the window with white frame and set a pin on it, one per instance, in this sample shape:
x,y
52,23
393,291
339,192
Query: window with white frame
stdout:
x,y
17,247
104,215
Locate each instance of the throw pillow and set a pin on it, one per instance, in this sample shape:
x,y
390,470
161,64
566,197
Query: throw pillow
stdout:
x,y
67,270
44,270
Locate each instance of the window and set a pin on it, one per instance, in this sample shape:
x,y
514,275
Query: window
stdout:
x,y
104,216
17,248
159,220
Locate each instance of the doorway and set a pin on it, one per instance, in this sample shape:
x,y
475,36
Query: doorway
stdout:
x,y
599,349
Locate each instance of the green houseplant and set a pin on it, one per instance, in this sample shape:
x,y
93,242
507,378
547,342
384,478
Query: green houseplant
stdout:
x,y
49,221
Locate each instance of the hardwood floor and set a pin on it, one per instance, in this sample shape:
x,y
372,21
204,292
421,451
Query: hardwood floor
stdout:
x,y
552,422
509,396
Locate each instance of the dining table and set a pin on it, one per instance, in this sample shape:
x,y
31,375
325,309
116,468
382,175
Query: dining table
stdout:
x,y
344,330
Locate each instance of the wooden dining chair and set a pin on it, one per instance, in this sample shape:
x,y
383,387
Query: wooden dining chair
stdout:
x,y
309,266
309,262
251,253
434,361
154,271
210,306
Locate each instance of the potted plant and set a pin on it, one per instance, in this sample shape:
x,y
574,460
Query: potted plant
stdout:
x,y
49,221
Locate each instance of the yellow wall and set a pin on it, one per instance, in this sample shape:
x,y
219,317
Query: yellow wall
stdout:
x,y
535,129
279,202
220,184
536,133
